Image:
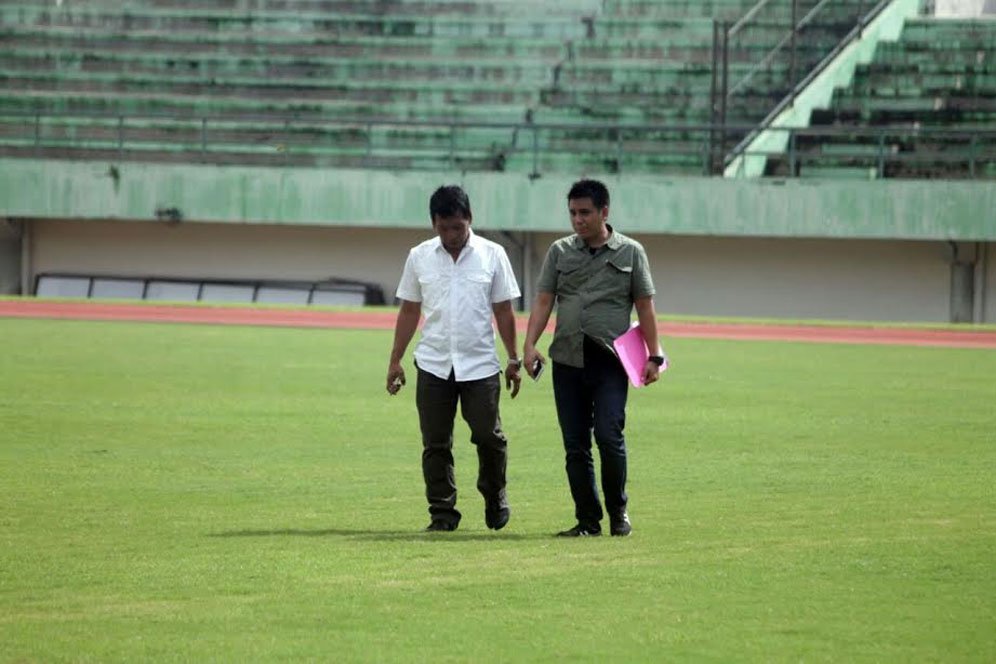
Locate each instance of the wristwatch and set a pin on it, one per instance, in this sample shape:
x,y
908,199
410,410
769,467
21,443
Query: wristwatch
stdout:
x,y
515,363
656,359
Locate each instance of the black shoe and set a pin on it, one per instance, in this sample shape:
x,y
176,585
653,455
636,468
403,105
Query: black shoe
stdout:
x,y
438,525
581,530
497,519
621,526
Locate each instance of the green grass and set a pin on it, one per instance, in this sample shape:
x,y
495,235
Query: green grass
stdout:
x,y
198,493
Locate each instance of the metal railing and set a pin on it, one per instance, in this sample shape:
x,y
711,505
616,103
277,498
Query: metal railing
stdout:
x,y
882,152
533,148
800,71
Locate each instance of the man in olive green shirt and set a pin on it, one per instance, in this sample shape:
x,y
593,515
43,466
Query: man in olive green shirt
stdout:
x,y
595,277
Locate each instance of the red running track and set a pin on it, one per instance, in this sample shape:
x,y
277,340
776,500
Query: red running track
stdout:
x,y
381,320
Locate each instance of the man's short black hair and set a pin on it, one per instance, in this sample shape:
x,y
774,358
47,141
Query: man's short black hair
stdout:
x,y
449,201
592,189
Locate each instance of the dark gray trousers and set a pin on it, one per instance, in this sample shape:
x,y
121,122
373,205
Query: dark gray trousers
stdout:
x,y
436,400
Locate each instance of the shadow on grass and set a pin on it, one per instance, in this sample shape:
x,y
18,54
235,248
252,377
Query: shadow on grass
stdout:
x,y
384,535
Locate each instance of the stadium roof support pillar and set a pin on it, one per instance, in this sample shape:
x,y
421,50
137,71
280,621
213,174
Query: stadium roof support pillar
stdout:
x,y
27,257
11,242
981,279
962,286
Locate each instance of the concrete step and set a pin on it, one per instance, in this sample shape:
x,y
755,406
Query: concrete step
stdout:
x,y
497,8
440,93
327,71
387,26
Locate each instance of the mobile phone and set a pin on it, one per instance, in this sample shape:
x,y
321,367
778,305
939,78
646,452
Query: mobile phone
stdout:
x,y
538,367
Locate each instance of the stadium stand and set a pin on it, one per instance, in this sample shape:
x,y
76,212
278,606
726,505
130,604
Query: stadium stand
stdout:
x,y
508,85
258,82
925,107
296,139
658,65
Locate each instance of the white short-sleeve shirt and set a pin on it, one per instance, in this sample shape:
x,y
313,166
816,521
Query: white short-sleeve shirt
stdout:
x,y
456,298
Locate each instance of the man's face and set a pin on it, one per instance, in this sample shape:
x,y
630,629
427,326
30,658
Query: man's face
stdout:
x,y
588,221
452,231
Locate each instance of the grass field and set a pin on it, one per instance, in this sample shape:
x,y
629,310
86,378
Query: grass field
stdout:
x,y
198,493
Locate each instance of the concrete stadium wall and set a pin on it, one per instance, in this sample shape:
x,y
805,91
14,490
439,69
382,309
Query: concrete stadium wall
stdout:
x,y
221,251
780,248
885,280
771,207
875,280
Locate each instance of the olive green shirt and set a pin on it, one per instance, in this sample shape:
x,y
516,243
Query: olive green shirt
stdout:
x,y
594,293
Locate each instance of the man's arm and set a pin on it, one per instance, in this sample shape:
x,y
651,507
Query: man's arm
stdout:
x,y
505,319
404,330
539,316
648,326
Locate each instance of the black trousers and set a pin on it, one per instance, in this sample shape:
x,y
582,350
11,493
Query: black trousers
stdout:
x,y
436,400
593,400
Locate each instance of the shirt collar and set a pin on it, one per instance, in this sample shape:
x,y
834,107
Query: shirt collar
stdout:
x,y
471,242
613,243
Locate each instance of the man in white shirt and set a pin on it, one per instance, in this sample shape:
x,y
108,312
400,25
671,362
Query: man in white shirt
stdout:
x,y
458,280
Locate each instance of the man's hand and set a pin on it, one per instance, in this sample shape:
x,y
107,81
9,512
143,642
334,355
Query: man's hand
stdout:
x,y
395,378
651,373
512,379
529,357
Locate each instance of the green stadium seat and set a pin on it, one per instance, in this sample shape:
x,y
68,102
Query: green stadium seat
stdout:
x,y
838,173
932,93
366,83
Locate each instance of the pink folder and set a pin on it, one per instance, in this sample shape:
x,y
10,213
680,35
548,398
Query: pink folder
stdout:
x,y
632,352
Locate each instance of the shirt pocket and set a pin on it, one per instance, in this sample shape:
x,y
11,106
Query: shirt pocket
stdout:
x,y
434,286
478,286
570,277
620,273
